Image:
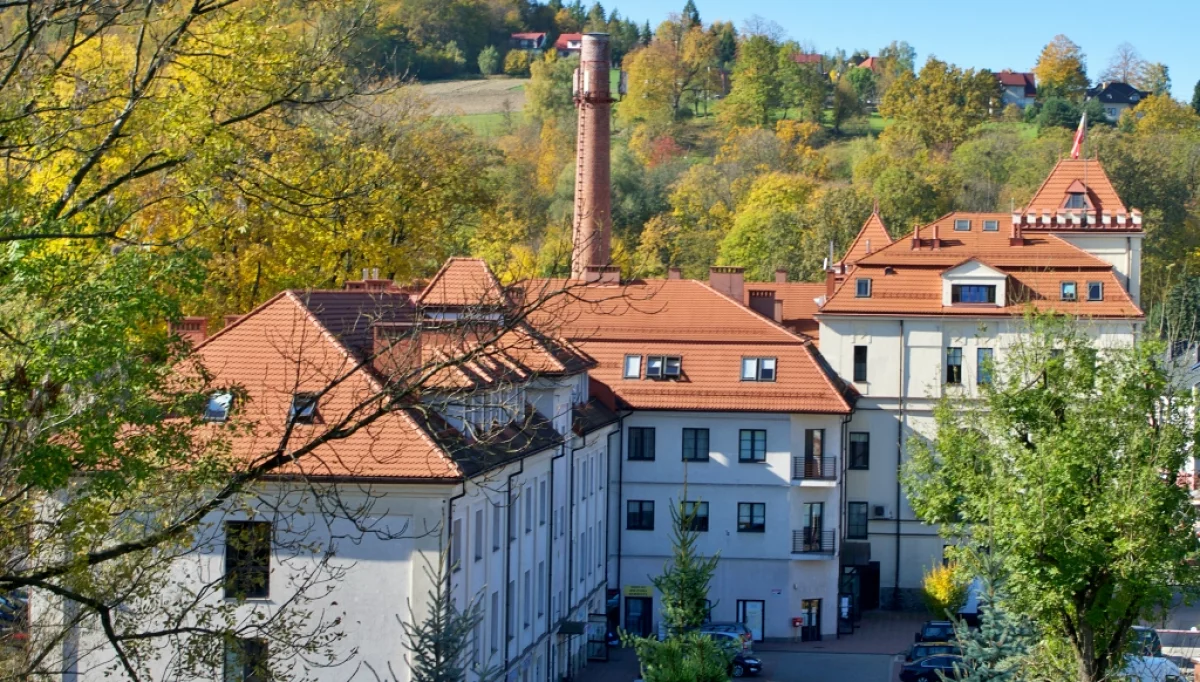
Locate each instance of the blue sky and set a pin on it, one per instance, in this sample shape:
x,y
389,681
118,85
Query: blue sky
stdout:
x,y
973,33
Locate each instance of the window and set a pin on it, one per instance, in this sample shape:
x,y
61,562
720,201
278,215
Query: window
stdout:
x,y
528,509
752,517
456,545
654,367
542,503
856,520
991,226
217,409
495,614
599,550
496,522
639,515
304,409
862,288
1095,291
814,443
527,604
633,366
513,511
672,366
860,363
953,365
752,445
641,443
1076,200
510,608
695,445
972,293
962,225
983,361
1068,291
247,560
758,369
694,516
246,660
478,534
860,450
541,589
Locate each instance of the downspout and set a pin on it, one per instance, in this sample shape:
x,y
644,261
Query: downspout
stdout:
x,y
450,530
620,497
508,540
562,451
899,462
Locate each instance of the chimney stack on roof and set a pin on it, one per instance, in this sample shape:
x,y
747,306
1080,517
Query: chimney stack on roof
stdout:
x,y
674,273
916,238
602,274
781,275
193,330
592,232
937,243
727,280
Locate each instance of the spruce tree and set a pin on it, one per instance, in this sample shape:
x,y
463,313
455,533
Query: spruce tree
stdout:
x,y
998,650
1196,98
440,645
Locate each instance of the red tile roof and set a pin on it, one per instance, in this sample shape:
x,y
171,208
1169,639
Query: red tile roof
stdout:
x,y
799,304
868,63
561,42
802,58
908,281
708,330
280,349
463,282
872,237
1051,196
528,36
1011,79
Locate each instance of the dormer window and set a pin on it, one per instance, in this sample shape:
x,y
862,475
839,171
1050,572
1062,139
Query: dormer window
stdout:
x,y
633,366
1076,200
758,369
304,409
991,226
218,406
1069,292
973,293
663,366
962,225
862,288
1095,291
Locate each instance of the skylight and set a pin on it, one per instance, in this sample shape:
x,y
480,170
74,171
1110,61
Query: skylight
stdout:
x,y
758,369
991,226
1069,292
304,408
962,225
633,366
862,288
218,406
664,366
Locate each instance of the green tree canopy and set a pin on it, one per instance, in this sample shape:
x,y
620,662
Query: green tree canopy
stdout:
x,y
1064,467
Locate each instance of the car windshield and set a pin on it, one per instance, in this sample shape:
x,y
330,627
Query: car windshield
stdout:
x,y
939,631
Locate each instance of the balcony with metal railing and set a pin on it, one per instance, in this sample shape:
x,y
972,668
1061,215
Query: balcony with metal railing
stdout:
x,y
813,543
818,471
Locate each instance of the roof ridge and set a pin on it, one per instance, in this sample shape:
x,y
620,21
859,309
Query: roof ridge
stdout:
x,y
253,311
747,311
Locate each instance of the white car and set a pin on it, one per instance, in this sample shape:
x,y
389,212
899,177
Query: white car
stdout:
x,y
1150,669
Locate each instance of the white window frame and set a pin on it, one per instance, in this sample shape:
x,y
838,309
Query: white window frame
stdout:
x,y
962,225
633,367
991,226
858,287
755,368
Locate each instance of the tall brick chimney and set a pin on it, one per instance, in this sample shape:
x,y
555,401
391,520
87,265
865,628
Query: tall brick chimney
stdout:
x,y
592,234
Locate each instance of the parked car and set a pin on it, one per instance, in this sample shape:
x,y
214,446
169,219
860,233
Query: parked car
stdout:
x,y
932,669
936,631
1150,669
740,629
733,640
925,649
745,664
1144,641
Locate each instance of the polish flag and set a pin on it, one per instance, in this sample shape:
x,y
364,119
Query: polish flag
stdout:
x,y
1079,134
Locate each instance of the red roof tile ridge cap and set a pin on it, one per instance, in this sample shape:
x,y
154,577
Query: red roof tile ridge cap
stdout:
x,y
446,266
1037,192
329,336
809,349
253,311
423,433
906,238
746,311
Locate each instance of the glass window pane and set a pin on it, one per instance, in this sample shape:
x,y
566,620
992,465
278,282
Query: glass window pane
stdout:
x,y
749,369
767,369
633,366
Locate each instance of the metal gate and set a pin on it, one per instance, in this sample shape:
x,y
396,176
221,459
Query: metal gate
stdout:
x,y
597,639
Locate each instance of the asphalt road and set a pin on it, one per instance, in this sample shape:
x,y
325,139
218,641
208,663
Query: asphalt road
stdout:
x,y
788,666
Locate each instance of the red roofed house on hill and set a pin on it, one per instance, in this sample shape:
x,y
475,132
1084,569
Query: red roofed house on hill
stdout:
x,y
1017,88
568,44
528,41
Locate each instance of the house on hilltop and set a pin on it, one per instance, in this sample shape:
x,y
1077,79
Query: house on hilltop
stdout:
x,y
1116,98
1017,88
529,42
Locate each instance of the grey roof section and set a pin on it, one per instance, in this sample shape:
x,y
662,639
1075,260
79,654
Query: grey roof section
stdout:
x,y
1117,93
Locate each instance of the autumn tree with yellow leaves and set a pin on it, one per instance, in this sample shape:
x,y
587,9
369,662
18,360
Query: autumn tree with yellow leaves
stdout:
x,y
1061,69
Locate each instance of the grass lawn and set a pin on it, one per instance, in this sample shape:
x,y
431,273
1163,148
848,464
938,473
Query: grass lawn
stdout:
x,y
488,125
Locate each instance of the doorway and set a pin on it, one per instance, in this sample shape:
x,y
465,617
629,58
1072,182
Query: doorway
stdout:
x,y
637,615
751,612
811,631
814,522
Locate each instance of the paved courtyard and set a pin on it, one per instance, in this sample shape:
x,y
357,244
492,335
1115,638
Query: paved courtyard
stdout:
x,y
870,655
